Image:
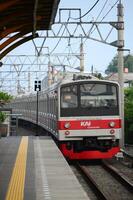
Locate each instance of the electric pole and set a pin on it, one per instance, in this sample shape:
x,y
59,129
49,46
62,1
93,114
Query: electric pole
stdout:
x,y
81,56
29,81
121,64
49,74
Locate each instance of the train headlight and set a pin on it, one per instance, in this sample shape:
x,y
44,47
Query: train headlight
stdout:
x,y
67,125
112,124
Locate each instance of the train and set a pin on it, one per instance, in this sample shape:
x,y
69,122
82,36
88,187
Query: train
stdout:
x,y
81,112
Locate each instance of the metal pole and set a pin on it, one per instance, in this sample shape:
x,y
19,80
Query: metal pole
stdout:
x,y
121,65
81,57
92,69
29,81
37,115
49,74
52,73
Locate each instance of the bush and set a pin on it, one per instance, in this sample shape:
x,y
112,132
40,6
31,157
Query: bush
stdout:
x,y
4,98
129,115
2,117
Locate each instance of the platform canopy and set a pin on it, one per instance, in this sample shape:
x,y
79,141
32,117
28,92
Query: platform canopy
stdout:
x,y
20,19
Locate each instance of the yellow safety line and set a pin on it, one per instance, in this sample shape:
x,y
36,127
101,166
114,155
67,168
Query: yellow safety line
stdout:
x,y
17,181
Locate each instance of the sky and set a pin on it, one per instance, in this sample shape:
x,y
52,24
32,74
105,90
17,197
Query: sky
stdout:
x,y
95,53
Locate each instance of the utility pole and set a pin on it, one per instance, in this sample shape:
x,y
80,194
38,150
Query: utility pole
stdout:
x,y
92,69
81,56
29,81
121,64
18,85
49,74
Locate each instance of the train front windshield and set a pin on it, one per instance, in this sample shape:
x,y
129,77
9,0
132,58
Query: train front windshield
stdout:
x,y
89,99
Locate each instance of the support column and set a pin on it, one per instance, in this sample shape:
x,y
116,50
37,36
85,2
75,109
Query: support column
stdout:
x,y
121,65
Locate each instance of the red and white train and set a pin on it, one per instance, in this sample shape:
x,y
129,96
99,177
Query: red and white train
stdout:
x,y
83,114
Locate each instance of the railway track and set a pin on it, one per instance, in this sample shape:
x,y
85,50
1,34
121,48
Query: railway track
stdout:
x,y
128,151
106,182
128,155
128,158
118,175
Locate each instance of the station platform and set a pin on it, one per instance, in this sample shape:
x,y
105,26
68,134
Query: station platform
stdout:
x,y
33,168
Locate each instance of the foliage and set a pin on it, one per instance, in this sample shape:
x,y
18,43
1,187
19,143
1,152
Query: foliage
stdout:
x,y
2,117
129,115
4,98
128,63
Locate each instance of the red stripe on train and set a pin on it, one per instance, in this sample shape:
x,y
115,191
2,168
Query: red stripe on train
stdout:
x,y
89,124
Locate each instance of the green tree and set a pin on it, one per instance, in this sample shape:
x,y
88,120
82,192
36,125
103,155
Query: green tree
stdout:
x,y
4,98
128,63
129,115
2,117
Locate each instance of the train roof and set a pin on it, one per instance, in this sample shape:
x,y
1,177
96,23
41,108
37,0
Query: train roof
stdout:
x,y
78,77
69,78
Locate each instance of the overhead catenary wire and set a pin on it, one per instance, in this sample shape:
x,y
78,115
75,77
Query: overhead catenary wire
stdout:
x,y
102,17
99,16
101,10
106,14
60,37
109,10
87,11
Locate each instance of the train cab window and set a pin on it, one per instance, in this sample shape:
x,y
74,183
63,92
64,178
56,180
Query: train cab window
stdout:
x,y
89,99
98,95
69,97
